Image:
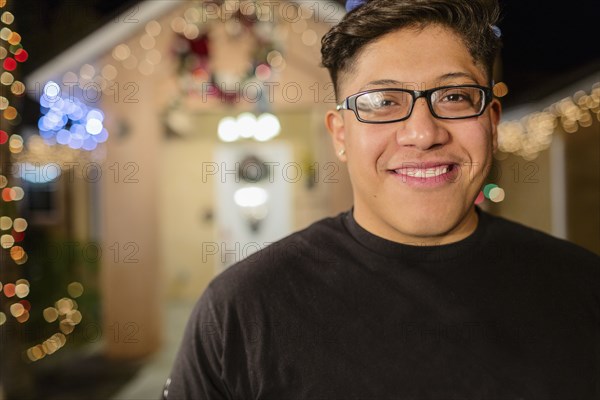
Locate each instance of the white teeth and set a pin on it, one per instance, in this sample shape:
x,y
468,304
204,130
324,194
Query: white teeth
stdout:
x,y
423,172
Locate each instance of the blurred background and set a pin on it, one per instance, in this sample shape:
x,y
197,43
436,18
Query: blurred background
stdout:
x,y
148,145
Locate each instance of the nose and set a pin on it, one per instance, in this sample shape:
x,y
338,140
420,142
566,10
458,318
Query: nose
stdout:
x,y
421,130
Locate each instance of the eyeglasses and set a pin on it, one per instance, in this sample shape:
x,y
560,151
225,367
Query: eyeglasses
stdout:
x,y
380,106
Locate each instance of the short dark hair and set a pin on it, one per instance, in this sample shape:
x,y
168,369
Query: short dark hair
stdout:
x,y
472,20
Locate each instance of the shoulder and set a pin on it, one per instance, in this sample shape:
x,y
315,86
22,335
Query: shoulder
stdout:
x,y
509,239
282,261
548,263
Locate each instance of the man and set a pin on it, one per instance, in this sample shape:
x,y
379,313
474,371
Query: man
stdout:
x,y
415,293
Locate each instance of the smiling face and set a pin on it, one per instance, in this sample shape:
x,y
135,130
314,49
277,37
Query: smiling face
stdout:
x,y
415,181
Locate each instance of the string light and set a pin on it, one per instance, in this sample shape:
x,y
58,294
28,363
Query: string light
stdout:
x,y
532,134
13,229
66,314
7,17
66,120
492,192
61,127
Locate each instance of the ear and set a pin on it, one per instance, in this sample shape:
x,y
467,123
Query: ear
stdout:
x,y
334,122
495,113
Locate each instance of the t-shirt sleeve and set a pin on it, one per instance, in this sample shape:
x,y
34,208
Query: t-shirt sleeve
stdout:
x,y
197,370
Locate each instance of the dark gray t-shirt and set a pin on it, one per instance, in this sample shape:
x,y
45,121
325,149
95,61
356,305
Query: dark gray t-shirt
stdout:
x,y
335,312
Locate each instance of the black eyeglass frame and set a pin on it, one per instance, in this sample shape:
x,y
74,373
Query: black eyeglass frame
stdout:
x,y
349,102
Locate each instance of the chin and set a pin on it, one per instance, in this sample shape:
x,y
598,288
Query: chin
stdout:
x,y
426,227
430,230
429,224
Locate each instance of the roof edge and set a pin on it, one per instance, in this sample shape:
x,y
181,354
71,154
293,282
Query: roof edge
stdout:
x,y
100,41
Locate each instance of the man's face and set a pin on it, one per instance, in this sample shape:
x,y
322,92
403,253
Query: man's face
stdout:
x,y
392,166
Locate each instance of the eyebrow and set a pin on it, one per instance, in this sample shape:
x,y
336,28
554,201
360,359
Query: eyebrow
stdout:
x,y
444,77
382,82
452,75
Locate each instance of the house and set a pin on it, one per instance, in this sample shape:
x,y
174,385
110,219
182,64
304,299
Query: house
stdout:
x,y
158,195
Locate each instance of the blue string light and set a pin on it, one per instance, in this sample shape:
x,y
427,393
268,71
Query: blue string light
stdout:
x,y
67,120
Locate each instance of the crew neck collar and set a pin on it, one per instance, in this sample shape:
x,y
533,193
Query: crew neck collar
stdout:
x,y
430,253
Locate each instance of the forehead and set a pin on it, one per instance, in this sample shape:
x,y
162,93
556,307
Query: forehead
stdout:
x,y
417,58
